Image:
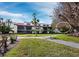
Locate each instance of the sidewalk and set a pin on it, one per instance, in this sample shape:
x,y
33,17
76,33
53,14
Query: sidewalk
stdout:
x,y
67,43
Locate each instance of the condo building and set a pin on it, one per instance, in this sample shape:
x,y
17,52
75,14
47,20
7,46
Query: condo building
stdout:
x,y
29,28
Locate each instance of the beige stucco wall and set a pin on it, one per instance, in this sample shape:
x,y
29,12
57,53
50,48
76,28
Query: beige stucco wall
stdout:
x,y
14,27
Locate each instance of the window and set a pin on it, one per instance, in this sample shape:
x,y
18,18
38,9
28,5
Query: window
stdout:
x,y
28,28
47,25
21,28
43,25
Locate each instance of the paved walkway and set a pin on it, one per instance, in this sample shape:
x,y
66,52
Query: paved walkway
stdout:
x,y
43,37
71,44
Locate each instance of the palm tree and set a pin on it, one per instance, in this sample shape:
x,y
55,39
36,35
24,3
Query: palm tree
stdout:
x,y
9,22
1,19
35,21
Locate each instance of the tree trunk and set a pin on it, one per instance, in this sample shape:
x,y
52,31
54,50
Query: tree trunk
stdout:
x,y
35,30
77,29
4,44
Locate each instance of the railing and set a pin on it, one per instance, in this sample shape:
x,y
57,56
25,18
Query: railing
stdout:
x,y
4,44
1,44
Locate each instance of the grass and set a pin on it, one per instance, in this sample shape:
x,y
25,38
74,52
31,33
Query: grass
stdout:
x,y
67,38
41,48
56,36
34,35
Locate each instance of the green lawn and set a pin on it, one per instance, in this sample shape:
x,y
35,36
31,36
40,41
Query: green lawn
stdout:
x,y
56,36
41,48
67,38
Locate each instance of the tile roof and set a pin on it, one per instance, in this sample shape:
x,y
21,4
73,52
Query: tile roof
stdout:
x,y
30,24
24,24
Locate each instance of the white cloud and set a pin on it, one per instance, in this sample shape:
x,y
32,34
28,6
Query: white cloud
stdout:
x,y
17,20
6,13
15,17
46,8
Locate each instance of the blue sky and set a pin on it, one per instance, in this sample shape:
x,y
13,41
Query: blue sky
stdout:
x,y
22,11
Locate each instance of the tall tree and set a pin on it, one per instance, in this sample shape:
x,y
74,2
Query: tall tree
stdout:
x,y
5,26
68,12
35,21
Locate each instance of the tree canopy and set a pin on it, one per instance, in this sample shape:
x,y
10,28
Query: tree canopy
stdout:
x,y
68,12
